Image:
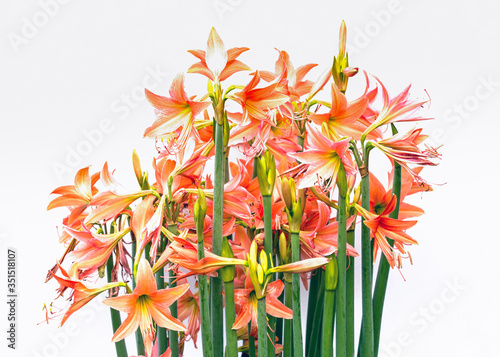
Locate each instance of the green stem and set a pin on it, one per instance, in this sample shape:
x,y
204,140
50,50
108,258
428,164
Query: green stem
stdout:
x,y
350,297
217,316
251,341
262,327
116,321
206,332
288,338
279,321
317,313
173,336
384,267
366,336
268,248
312,302
341,287
298,349
231,339
327,332
138,336
161,331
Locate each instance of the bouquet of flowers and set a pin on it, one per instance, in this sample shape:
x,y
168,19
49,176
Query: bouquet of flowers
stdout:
x,y
257,191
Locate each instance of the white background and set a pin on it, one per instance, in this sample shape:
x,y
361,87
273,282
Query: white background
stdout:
x,y
68,67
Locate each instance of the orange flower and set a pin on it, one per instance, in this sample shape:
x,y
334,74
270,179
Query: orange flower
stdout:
x,y
322,159
146,304
93,249
291,81
380,199
381,226
174,112
343,117
246,300
258,102
81,293
77,198
397,109
403,148
217,64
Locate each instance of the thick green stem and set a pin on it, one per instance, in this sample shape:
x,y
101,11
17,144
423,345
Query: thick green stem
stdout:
x,y
288,338
231,339
312,302
262,327
327,331
384,267
341,287
317,315
206,332
217,316
173,335
268,248
138,336
251,341
161,331
366,336
350,297
279,321
298,349
116,321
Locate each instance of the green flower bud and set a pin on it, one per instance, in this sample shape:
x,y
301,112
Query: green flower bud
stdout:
x,y
331,273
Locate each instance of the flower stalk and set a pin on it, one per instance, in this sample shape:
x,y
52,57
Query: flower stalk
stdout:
x,y
384,266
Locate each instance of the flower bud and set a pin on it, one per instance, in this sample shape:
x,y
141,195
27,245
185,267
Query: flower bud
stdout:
x,y
266,173
263,260
331,273
260,274
283,249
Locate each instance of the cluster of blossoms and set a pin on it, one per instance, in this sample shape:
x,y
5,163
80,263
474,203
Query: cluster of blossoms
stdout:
x,y
248,226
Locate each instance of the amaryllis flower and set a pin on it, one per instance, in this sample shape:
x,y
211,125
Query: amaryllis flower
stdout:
x,y
188,307
258,102
186,255
81,294
319,233
403,148
381,226
174,111
321,160
380,199
399,108
93,249
216,63
343,117
145,305
246,301
76,197
290,80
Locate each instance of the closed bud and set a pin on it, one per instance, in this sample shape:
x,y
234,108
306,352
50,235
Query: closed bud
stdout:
x,y
342,181
263,260
283,249
137,167
331,273
350,71
260,274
